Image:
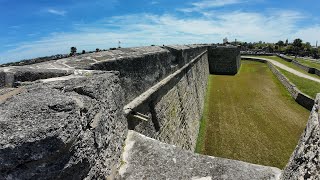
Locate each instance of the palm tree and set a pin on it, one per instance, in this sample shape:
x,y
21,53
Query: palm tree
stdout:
x,y
73,51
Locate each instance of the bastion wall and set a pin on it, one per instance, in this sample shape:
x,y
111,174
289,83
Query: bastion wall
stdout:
x,y
222,60
73,125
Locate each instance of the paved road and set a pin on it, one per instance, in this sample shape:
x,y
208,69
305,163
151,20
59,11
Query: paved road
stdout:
x,y
284,67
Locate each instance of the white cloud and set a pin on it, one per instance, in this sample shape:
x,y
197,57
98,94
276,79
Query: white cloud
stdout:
x,y
308,34
215,3
147,29
154,2
14,27
207,4
57,12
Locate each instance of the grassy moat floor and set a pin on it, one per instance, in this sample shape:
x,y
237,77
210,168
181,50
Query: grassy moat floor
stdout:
x,y
309,87
250,117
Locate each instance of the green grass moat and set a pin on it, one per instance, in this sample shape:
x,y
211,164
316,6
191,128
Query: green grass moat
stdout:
x,y
250,117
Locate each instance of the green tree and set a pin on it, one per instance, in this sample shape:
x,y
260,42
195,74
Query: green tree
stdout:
x,y
297,44
250,46
270,48
307,45
73,51
280,43
289,49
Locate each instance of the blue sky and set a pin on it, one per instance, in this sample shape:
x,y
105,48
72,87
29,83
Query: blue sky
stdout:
x,y
32,28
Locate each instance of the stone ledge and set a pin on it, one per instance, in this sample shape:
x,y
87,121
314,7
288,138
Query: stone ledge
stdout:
x,y
304,161
146,158
9,76
160,88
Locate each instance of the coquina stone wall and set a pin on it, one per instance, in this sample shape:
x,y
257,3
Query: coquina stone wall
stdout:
x,y
10,76
2,79
72,126
286,58
317,72
174,106
304,67
304,162
301,98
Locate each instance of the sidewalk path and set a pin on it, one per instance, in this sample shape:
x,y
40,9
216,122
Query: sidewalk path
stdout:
x,y
284,67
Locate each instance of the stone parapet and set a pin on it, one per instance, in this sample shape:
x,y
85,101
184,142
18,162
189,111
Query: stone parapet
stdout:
x,y
164,161
304,162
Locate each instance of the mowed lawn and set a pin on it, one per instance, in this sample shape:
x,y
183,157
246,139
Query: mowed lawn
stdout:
x,y
289,64
250,117
309,63
309,87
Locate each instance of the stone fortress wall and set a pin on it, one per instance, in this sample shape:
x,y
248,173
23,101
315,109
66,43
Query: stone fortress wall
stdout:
x,y
73,125
304,161
74,122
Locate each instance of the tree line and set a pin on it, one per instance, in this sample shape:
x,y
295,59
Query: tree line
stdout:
x,y
297,47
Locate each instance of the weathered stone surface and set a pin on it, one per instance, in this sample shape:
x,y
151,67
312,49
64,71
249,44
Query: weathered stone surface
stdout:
x,y
9,76
317,72
140,68
146,158
185,53
59,132
68,129
73,127
305,160
175,107
224,60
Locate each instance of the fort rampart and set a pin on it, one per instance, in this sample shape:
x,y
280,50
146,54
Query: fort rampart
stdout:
x,y
69,118
77,120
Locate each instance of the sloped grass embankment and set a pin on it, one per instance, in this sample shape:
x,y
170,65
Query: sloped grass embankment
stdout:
x,y
289,64
250,117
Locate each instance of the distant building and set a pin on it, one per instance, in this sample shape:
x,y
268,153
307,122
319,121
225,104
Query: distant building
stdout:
x,y
225,40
